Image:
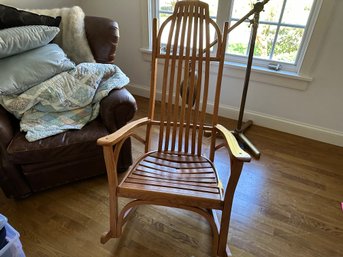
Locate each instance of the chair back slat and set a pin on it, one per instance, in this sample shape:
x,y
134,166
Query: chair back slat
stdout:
x,y
192,79
176,103
189,19
170,108
198,82
186,56
166,74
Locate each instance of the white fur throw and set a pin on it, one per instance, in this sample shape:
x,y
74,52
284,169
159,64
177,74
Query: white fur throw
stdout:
x,y
72,37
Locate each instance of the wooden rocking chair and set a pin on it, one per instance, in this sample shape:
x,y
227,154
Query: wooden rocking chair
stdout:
x,y
177,174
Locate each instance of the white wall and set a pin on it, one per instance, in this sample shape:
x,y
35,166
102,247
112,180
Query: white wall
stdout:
x,y
315,112
128,14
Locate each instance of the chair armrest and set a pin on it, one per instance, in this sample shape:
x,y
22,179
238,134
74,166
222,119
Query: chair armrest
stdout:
x,y
103,37
6,128
122,133
235,150
117,109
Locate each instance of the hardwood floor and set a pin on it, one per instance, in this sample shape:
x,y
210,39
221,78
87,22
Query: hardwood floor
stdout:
x,y
287,204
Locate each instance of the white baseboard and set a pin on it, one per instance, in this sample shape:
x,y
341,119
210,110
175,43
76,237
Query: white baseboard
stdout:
x,y
281,124
140,90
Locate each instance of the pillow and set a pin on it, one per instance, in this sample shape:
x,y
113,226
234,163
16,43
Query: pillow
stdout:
x,y
21,39
12,17
20,72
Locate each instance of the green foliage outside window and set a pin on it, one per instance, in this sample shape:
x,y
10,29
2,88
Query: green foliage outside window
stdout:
x,y
282,47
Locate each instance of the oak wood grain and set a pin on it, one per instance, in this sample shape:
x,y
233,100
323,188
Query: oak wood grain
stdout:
x,y
286,204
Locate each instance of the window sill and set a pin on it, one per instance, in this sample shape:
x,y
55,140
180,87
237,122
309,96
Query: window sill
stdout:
x,y
258,74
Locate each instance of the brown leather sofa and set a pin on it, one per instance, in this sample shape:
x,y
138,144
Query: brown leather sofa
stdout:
x,y
73,155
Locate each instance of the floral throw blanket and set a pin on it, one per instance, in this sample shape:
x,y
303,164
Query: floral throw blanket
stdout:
x,y
68,100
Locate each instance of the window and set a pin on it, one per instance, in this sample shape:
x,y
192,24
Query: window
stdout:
x,y
284,29
164,8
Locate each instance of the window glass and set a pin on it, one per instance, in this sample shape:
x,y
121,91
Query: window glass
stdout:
x,y
282,27
166,7
287,44
241,8
272,11
239,40
297,12
264,41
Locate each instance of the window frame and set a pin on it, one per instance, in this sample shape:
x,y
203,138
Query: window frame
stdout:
x,y
224,14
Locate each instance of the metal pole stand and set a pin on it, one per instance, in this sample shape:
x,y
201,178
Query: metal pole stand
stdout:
x,y
239,131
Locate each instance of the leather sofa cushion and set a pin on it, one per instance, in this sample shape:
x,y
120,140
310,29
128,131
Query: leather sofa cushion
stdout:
x,y
70,145
41,176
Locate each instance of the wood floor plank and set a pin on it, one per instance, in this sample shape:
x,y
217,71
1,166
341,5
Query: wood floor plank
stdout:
x,y
286,204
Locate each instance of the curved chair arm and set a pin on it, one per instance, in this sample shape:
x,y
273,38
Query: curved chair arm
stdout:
x,y
121,133
235,150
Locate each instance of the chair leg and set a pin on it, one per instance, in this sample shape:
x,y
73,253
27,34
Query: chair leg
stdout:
x,y
105,237
223,249
114,231
111,157
236,169
220,250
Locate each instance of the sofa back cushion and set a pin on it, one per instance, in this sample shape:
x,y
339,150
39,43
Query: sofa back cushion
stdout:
x,y
12,17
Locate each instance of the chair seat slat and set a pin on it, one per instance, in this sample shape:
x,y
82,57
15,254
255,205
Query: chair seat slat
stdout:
x,y
168,184
147,190
203,184
178,158
177,165
153,166
173,178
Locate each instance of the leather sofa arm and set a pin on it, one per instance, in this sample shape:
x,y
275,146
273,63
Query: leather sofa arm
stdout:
x,y
103,37
6,128
117,109
11,180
